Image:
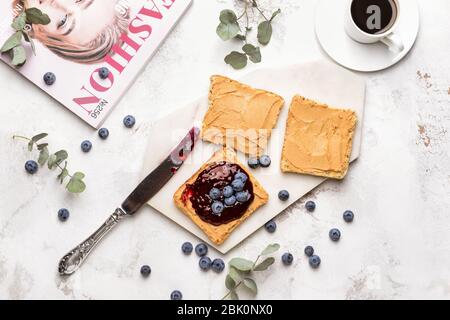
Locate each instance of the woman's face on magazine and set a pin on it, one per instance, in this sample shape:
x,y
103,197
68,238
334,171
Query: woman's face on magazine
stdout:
x,y
78,21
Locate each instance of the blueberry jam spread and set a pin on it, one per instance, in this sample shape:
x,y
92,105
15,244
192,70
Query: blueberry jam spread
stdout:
x,y
221,193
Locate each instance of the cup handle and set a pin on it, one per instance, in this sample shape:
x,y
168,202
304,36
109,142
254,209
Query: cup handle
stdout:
x,y
394,42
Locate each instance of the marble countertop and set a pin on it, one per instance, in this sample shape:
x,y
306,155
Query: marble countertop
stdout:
x,y
397,248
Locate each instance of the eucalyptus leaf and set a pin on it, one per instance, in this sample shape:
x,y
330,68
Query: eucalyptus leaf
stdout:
x,y
43,156
19,22
51,162
78,175
266,263
61,155
240,37
275,14
227,31
38,137
75,185
236,59
234,295
234,274
42,146
271,248
251,285
228,16
241,264
229,282
35,16
19,56
264,32
12,42
253,53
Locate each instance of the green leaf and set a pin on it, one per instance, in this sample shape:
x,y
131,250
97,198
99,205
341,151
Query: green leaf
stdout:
x,y
240,37
51,162
30,41
79,175
12,42
241,264
234,295
19,56
275,14
234,274
228,17
251,285
253,52
30,145
38,137
35,16
42,146
76,185
227,31
236,59
43,156
229,282
264,264
19,22
264,32
271,248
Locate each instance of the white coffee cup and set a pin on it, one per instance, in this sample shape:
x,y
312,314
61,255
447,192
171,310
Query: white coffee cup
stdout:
x,y
388,36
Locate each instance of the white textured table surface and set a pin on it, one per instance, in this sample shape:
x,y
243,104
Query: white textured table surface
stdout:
x,y
397,247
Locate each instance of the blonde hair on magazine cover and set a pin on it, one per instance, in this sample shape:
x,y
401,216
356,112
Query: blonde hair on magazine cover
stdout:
x,y
83,31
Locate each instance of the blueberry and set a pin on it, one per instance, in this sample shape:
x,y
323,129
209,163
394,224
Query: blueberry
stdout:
x,y
242,196
230,201
215,194
201,249
265,161
63,214
309,251
176,295
271,226
49,78
204,263
218,265
241,176
253,162
217,208
86,146
103,133
228,191
129,121
310,206
145,271
187,248
31,166
283,195
237,185
103,73
348,216
314,261
287,258
334,234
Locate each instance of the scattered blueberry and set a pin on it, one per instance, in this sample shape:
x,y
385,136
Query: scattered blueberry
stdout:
x,y
218,265
348,216
217,208
49,78
237,185
103,73
228,191
310,206
230,201
283,195
309,251
201,249
187,248
271,226
31,166
204,263
265,161
176,295
86,146
253,162
334,234
145,271
215,194
103,133
287,258
242,196
314,261
129,121
241,176
63,214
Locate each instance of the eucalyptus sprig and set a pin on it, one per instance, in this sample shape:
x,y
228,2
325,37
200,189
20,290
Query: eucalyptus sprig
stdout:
x,y
21,24
55,160
241,271
232,27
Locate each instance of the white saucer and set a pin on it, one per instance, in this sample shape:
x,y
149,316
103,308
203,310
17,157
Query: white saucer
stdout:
x,y
363,57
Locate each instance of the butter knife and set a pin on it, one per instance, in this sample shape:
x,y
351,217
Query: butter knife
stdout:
x,y
141,195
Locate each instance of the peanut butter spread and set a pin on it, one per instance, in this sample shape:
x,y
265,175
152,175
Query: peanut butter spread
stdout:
x,y
240,116
318,139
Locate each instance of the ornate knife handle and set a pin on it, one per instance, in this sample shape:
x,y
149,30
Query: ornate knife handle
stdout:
x,y
73,260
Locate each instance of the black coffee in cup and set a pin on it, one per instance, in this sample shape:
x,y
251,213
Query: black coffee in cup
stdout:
x,y
374,16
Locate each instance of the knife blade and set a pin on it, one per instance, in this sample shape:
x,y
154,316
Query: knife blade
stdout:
x,y
141,195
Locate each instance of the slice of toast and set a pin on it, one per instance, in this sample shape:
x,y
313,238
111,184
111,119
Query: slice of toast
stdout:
x,y
218,234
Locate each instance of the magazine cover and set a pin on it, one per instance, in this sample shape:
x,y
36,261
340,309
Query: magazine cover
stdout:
x,y
73,40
